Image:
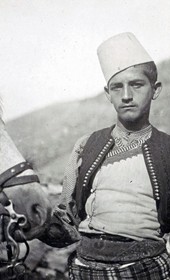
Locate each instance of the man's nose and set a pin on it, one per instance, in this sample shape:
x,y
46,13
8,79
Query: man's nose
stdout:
x,y
127,94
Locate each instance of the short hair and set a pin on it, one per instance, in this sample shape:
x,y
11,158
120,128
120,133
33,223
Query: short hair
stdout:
x,y
150,70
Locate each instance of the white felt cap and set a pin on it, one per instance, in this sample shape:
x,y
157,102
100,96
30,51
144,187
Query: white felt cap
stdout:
x,y
120,52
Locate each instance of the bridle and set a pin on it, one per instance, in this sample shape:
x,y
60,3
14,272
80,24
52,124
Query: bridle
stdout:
x,y
15,222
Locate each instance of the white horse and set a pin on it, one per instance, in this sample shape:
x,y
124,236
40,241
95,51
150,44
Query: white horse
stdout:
x,y
20,184
28,198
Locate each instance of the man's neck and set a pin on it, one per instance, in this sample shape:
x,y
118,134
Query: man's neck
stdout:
x,y
132,126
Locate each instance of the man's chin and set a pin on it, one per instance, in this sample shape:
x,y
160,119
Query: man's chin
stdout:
x,y
129,119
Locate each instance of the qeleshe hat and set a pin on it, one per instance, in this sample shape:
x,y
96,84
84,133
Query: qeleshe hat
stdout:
x,y
120,52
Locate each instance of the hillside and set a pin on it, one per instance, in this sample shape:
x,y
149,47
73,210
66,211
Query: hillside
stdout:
x,y
46,137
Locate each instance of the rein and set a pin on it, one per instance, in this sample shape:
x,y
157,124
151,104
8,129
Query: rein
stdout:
x,y
14,266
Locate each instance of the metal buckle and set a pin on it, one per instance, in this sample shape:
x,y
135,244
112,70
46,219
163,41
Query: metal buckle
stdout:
x,y
20,221
13,249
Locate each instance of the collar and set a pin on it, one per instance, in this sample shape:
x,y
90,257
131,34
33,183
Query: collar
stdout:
x,y
124,137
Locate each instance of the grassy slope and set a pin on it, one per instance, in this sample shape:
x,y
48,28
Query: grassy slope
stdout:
x,y
46,137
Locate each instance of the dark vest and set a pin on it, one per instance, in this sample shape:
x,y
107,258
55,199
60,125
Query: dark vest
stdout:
x,y
156,151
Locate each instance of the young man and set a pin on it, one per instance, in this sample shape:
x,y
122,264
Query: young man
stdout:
x,y
117,185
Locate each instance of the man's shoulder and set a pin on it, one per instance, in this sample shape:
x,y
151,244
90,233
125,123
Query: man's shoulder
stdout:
x,y
160,138
102,131
161,133
105,132
97,140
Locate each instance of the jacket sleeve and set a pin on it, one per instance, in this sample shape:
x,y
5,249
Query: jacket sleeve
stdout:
x,y
61,231
71,171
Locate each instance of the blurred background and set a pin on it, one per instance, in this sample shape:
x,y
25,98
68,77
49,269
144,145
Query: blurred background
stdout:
x,y
48,47
51,84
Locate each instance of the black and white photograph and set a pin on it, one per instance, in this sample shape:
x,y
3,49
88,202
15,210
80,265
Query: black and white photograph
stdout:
x,y
84,140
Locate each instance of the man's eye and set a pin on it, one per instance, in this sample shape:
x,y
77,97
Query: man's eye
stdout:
x,y
116,87
137,85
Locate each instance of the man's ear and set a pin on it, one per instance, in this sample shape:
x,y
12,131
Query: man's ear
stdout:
x,y
107,93
157,90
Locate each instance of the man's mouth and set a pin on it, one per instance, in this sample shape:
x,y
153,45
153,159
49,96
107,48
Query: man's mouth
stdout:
x,y
127,106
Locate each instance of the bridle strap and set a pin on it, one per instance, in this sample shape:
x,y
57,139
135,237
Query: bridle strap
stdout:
x,y
9,177
21,180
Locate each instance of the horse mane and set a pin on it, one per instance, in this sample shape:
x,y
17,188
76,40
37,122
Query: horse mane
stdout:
x,y
1,111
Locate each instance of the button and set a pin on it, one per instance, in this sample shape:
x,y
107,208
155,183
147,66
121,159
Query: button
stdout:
x,y
156,184
154,180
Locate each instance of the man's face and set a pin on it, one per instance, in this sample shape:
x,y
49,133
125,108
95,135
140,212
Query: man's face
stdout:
x,y
131,92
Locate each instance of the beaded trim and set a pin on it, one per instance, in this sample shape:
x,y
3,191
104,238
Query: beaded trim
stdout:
x,y
151,170
97,160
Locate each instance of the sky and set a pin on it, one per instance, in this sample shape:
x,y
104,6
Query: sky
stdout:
x,y
48,47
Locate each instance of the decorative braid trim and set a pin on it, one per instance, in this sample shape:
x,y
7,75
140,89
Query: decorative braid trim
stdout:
x,y
124,152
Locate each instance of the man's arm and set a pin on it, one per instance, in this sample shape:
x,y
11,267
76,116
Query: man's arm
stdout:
x,y
61,231
71,171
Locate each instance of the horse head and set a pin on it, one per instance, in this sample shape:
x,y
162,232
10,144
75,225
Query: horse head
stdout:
x,y
31,201
22,188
